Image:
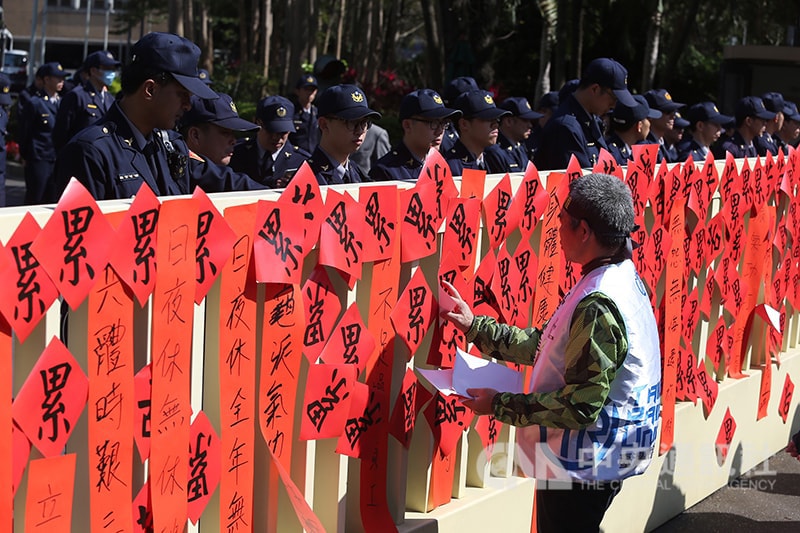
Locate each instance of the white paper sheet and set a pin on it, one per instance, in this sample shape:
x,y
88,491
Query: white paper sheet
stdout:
x,y
470,372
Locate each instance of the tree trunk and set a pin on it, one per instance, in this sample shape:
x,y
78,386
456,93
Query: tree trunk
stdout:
x,y
650,61
680,40
244,32
266,36
188,20
340,29
175,20
207,38
434,69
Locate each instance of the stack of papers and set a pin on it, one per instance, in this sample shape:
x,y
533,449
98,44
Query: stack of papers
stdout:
x,y
470,372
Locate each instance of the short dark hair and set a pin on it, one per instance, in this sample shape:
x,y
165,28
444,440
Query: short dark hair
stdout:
x,y
135,74
605,202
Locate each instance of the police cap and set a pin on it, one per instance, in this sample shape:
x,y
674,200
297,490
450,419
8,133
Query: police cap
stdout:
x,y
275,114
174,54
346,102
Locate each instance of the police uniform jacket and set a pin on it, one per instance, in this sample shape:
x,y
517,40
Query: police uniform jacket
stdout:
x,y
39,117
737,147
105,157
766,143
3,155
458,158
665,153
571,131
779,143
690,147
325,170
618,149
306,125
79,109
245,159
448,139
533,141
399,164
505,155
218,178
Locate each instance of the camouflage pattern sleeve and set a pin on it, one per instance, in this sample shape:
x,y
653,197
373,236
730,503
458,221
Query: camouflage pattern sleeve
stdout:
x,y
596,349
502,341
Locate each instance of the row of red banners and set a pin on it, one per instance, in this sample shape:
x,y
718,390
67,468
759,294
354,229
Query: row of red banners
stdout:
x,y
170,253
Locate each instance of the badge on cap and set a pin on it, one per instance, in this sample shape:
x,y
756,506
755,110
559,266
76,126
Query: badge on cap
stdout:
x,y
716,110
233,107
528,104
488,99
438,99
5,89
357,97
667,96
281,112
309,79
202,75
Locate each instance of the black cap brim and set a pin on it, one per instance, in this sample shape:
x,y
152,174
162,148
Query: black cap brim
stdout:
x,y
195,86
721,119
530,115
653,114
669,107
237,124
355,113
280,126
439,113
492,113
766,115
625,97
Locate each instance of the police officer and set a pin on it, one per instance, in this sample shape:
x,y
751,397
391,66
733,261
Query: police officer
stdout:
x,y
767,141
547,105
36,146
705,125
661,100
673,137
791,127
210,129
5,103
629,125
509,151
477,130
135,144
751,121
453,90
424,119
89,102
344,118
306,130
576,128
268,157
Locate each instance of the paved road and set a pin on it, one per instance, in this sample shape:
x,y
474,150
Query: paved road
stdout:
x,y
764,500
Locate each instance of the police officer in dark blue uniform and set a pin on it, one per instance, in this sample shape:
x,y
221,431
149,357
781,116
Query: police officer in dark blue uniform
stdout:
x,y
661,100
306,130
5,104
89,102
135,143
673,137
509,151
424,119
751,120
210,129
453,90
576,128
790,130
768,141
39,117
705,125
344,118
547,105
477,130
268,157
629,126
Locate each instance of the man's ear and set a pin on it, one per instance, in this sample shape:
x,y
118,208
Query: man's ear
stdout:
x,y
149,87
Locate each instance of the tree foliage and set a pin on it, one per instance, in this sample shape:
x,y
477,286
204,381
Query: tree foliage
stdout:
x,y
512,46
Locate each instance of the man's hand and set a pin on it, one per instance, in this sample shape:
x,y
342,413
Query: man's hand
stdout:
x,y
461,315
481,401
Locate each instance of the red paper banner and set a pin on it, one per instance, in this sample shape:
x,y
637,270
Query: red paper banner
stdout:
x,y
500,218
74,243
51,399
22,277
414,312
171,348
532,199
547,281
204,465
237,372
380,215
725,436
133,254
304,193
111,402
461,230
322,308
437,171
350,343
48,503
607,164
419,222
341,240
142,390
326,403
7,441
786,398
214,241
410,401
278,242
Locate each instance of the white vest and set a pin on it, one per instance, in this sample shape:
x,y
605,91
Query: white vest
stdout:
x,y
620,443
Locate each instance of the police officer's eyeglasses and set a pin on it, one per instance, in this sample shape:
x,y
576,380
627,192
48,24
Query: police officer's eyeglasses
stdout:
x,y
434,124
354,125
